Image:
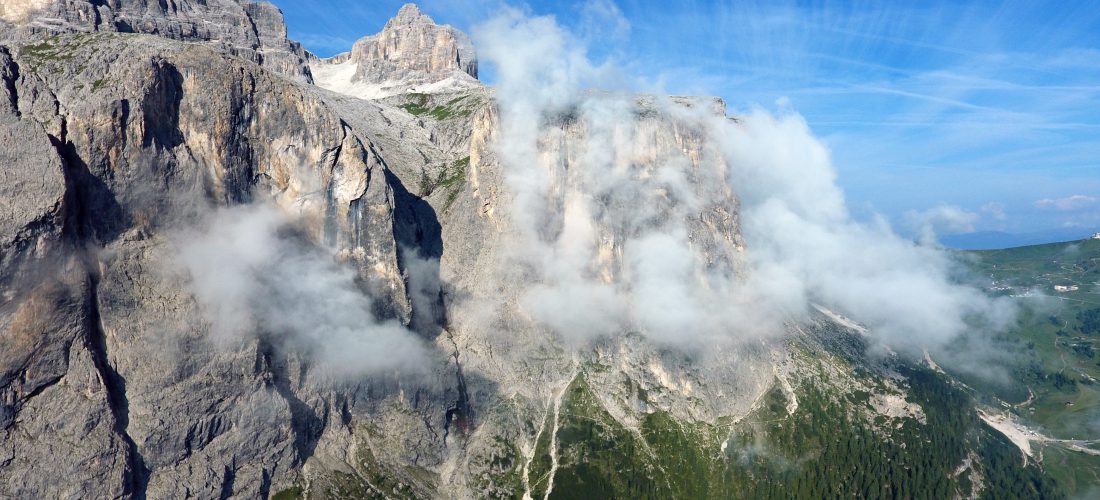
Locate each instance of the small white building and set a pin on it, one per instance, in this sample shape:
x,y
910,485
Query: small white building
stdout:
x,y
1096,236
1065,288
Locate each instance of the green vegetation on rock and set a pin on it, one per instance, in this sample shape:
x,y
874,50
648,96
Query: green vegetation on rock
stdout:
x,y
450,177
828,448
57,52
293,493
458,107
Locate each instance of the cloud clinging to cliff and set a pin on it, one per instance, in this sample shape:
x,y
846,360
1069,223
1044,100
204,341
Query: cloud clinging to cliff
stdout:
x,y
253,275
612,229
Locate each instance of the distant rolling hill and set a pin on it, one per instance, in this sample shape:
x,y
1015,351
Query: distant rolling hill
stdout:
x,y
992,240
1051,352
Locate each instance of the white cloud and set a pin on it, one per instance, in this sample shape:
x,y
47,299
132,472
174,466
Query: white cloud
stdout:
x,y
905,292
253,276
603,21
1067,204
611,214
942,219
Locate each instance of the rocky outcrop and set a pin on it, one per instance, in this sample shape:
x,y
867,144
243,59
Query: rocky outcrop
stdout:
x,y
411,47
411,53
55,405
107,374
244,28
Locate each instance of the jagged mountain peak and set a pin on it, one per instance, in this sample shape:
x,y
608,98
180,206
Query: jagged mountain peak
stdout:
x,y
411,53
409,14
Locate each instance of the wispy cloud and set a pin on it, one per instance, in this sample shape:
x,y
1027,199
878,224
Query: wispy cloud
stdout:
x,y
606,228
1067,204
942,219
995,210
603,20
942,84
253,274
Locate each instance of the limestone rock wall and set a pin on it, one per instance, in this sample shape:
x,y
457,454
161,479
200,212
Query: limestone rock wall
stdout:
x,y
252,30
106,375
413,48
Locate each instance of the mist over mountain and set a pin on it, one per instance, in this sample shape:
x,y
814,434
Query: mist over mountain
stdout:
x,y
230,268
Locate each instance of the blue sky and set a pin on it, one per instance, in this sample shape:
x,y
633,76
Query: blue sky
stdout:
x,y
966,115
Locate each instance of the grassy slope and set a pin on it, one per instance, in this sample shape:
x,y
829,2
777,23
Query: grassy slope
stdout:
x,y
832,446
1058,358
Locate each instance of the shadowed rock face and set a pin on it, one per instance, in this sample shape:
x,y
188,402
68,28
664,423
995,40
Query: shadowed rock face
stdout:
x,y
244,28
413,49
105,376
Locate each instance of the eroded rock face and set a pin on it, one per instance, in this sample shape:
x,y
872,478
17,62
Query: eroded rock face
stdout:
x,y
412,47
410,54
56,402
107,374
244,28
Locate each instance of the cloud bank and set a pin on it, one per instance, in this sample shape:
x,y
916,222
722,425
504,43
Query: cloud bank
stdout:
x,y
626,217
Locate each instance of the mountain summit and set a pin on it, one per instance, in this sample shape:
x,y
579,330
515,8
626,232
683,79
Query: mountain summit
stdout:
x,y
411,52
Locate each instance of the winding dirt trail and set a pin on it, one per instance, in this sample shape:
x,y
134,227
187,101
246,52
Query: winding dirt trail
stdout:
x,y
1023,436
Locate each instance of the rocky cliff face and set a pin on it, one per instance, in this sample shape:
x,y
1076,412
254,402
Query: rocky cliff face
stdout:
x,y
244,28
411,53
412,46
114,377
103,166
